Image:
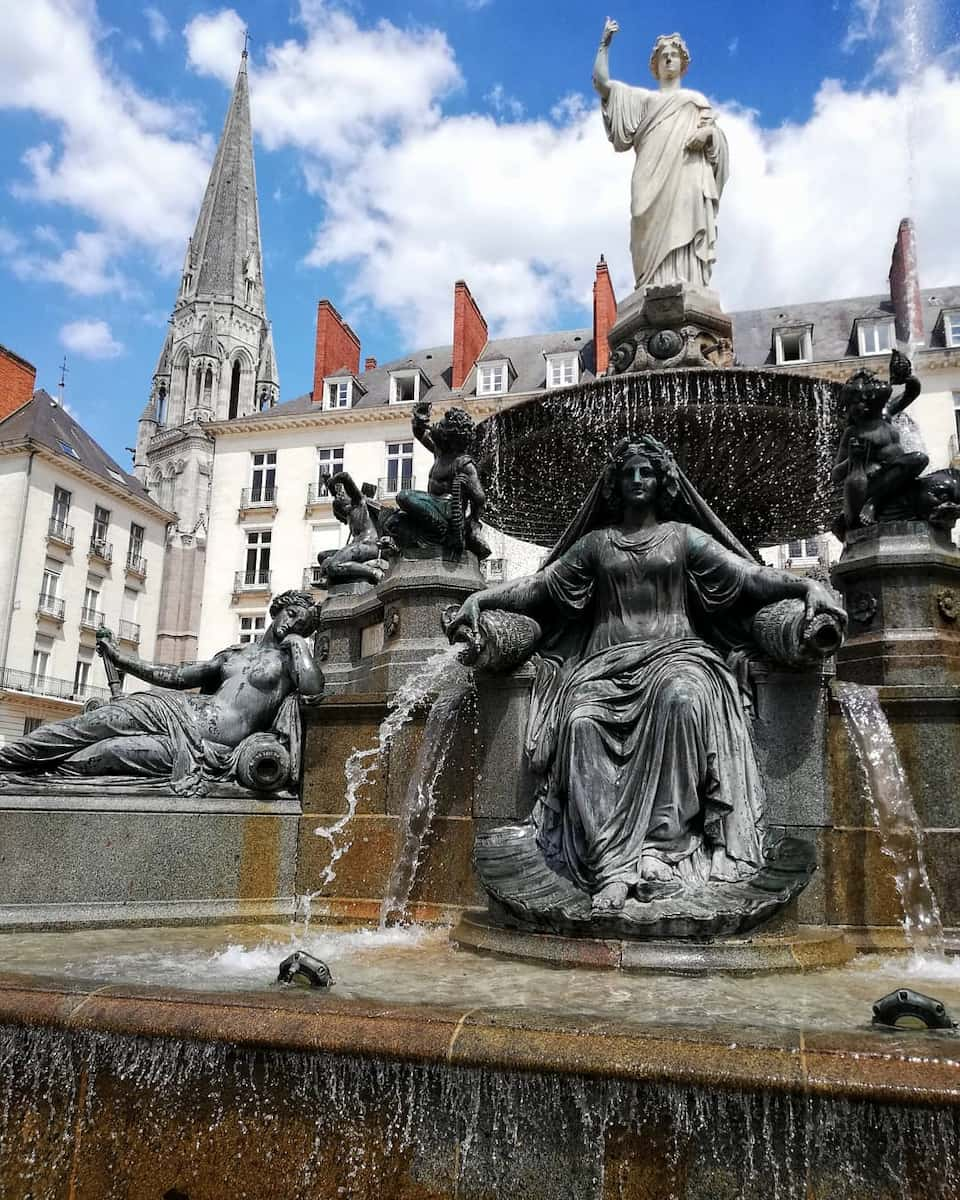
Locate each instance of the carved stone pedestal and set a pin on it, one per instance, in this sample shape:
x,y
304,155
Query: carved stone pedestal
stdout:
x,y
675,325
371,638
901,587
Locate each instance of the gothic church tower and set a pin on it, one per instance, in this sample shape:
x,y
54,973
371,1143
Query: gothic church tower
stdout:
x,y
217,362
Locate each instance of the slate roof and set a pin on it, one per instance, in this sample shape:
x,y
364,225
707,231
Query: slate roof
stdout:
x,y
834,337
43,420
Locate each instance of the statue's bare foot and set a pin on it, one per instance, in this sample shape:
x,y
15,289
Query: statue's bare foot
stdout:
x,y
611,898
653,870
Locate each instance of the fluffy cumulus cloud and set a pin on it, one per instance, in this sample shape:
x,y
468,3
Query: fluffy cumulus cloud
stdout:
x,y
91,339
115,155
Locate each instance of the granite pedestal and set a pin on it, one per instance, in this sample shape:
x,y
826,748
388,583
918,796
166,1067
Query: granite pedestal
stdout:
x,y
674,325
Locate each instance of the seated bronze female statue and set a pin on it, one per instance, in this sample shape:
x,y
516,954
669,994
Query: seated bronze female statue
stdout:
x,y
186,741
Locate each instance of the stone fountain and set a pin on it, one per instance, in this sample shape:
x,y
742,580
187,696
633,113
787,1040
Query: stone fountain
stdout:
x,y
647,772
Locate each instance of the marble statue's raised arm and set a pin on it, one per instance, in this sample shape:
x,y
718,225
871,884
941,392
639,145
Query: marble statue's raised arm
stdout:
x,y
601,64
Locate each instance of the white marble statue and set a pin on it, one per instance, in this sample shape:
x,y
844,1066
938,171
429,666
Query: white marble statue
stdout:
x,y
681,167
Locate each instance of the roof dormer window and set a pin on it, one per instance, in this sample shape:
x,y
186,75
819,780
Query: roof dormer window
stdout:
x,y
493,378
563,370
793,344
875,335
407,385
337,393
951,327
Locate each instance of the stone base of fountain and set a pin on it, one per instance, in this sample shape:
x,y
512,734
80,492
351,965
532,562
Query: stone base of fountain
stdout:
x,y
784,949
675,325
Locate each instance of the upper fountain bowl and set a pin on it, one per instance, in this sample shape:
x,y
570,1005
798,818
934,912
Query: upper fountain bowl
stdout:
x,y
760,445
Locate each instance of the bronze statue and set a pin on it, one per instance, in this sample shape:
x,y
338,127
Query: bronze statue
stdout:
x,y
875,470
243,726
447,517
644,769
362,558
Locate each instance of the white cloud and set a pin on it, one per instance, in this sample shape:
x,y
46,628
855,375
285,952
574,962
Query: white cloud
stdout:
x,y
338,89
91,339
119,157
86,267
157,25
503,104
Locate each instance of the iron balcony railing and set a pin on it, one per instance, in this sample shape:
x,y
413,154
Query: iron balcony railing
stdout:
x,y
258,497
311,577
90,618
251,581
46,685
60,531
400,482
101,549
137,565
128,631
51,606
317,494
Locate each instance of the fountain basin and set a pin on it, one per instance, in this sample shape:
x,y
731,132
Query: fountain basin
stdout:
x,y
523,1085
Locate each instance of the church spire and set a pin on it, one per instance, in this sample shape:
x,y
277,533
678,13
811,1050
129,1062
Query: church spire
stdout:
x,y
223,257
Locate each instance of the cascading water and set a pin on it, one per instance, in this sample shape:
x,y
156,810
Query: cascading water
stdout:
x,y
901,836
419,802
363,764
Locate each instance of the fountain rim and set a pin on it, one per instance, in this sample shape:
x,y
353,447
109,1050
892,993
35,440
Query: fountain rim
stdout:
x,y
865,1066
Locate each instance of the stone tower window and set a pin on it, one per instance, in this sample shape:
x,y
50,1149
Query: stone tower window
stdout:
x,y
235,390
208,388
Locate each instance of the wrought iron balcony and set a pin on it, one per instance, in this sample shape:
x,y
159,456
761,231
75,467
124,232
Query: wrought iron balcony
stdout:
x,y
401,482
258,499
101,550
128,631
137,565
90,618
311,577
51,606
60,531
317,494
251,581
46,685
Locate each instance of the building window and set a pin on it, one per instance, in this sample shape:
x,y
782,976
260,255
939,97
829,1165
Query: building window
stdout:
x,y
258,557
30,724
951,327
563,370
794,345
234,408
80,677
329,463
263,477
876,337
399,467
49,590
404,387
251,628
337,393
60,512
90,614
162,404
135,549
40,665
101,527
491,379
803,549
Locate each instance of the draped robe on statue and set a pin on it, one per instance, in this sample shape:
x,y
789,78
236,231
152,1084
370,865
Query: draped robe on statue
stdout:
x,y
675,192
638,736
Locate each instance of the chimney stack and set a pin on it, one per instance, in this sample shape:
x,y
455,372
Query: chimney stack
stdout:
x,y
905,286
604,316
469,334
17,381
337,348
369,363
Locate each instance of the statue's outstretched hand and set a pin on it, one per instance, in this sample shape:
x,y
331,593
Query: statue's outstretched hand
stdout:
x,y
610,27
468,617
821,600
107,649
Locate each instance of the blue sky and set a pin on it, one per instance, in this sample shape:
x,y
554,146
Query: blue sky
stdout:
x,y
400,147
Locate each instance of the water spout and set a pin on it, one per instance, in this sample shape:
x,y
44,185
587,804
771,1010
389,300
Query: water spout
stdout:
x,y
901,836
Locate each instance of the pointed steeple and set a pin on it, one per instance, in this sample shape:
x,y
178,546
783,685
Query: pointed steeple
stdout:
x,y
223,257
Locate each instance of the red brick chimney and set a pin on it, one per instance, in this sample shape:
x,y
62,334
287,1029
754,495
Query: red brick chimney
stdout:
x,y
604,315
337,348
905,285
469,333
17,380
370,363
